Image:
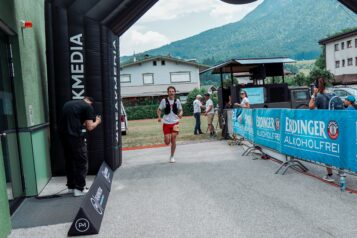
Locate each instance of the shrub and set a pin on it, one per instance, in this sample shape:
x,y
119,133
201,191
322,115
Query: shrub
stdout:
x,y
141,112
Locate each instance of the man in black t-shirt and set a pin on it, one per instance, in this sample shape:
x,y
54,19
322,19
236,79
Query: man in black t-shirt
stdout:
x,y
76,116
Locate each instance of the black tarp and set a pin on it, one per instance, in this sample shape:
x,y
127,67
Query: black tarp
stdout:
x,y
351,4
83,59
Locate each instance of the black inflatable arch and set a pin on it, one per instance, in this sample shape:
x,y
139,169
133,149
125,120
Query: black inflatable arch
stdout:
x,y
83,59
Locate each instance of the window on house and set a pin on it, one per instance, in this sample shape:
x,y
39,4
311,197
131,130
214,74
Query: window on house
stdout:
x,y
163,62
336,47
349,61
154,63
355,43
337,64
125,78
349,44
342,45
179,77
356,61
343,63
148,78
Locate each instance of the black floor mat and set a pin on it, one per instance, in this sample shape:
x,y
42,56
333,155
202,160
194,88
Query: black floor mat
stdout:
x,y
46,211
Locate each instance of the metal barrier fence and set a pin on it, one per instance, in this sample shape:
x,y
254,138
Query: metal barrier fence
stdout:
x,y
323,137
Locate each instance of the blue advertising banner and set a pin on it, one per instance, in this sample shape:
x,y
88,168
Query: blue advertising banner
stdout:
x,y
243,123
323,136
267,129
350,141
315,135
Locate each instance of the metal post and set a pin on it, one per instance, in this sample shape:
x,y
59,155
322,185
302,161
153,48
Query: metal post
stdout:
x,y
232,75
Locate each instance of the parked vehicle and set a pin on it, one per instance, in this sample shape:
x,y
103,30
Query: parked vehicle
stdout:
x,y
344,91
123,120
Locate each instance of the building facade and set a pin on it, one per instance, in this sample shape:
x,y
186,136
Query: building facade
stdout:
x,y
24,145
151,76
341,57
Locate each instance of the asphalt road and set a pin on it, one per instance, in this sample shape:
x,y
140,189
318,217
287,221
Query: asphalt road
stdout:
x,y
212,191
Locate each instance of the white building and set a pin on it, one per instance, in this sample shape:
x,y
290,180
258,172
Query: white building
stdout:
x,y
341,57
151,76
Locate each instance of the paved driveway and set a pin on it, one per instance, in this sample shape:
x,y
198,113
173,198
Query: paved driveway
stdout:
x,y
212,191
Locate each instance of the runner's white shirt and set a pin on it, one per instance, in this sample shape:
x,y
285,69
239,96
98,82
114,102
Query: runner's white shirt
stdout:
x,y
170,118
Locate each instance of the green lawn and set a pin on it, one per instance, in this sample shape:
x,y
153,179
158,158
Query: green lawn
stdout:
x,y
149,132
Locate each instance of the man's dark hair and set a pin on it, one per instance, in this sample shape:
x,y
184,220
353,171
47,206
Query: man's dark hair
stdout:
x,y
172,88
89,99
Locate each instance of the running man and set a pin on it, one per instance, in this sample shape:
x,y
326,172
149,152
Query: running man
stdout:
x,y
172,109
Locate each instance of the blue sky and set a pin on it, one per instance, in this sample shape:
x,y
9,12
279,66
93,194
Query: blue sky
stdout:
x,y
172,20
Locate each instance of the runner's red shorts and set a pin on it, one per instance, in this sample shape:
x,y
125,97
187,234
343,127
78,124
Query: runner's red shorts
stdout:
x,y
168,128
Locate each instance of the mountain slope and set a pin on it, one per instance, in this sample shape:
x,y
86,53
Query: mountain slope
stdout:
x,y
275,28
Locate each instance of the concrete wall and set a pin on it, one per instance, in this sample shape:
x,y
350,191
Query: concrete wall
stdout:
x,y
32,56
342,54
30,83
5,225
32,47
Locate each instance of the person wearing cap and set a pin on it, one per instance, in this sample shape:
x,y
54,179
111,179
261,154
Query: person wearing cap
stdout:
x,y
349,101
197,105
209,113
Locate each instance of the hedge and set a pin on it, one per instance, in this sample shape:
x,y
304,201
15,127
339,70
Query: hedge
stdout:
x,y
141,112
149,111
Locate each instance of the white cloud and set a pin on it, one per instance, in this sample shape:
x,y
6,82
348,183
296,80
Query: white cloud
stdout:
x,y
212,13
139,40
230,13
173,9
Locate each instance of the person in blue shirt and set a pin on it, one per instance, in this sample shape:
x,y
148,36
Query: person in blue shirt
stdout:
x,y
349,101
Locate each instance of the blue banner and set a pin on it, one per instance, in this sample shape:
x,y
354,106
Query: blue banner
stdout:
x,y
243,123
267,129
315,135
323,136
350,142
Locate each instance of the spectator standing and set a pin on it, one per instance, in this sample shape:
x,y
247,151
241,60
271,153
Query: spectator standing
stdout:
x,y
244,103
197,105
320,100
349,102
209,113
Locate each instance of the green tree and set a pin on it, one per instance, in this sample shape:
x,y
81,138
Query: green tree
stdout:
x,y
321,61
317,73
301,80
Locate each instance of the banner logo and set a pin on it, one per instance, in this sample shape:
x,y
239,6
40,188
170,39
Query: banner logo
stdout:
x,y
333,130
82,225
77,66
277,124
106,174
97,201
